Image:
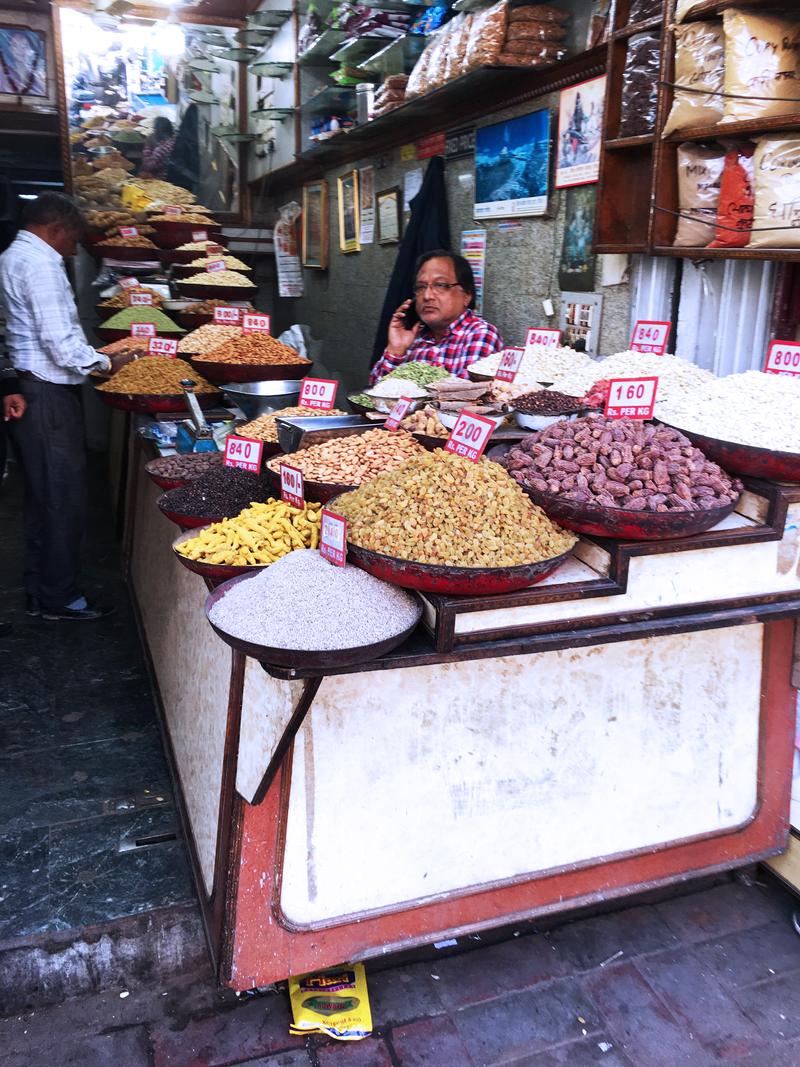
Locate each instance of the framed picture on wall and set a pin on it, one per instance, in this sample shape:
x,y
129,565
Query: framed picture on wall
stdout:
x,y
389,216
316,239
23,61
512,167
580,122
347,187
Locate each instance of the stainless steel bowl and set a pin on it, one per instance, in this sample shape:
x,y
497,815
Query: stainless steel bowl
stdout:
x,y
295,432
262,398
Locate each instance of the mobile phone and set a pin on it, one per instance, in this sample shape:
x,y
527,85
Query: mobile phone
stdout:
x,y
410,316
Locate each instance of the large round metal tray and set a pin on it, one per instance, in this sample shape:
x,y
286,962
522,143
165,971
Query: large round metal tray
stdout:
x,y
155,404
287,657
747,459
217,572
314,492
249,372
456,581
220,292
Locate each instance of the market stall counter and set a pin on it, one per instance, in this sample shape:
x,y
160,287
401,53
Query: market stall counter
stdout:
x,y
624,724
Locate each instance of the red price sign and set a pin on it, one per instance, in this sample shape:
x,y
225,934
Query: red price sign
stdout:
x,y
143,329
163,346
141,300
333,538
215,250
256,323
244,453
398,413
128,231
292,486
128,283
215,265
783,357
469,436
317,393
173,210
631,398
538,336
510,362
228,316
650,337
199,235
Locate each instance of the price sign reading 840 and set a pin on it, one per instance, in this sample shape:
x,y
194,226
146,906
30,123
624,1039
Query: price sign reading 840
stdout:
x,y
255,323
244,453
650,337
317,393
631,398
540,337
469,436
783,357
333,537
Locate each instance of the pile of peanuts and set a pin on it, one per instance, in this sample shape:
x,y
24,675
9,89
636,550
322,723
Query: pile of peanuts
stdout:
x,y
443,509
206,338
620,463
156,376
351,460
425,421
256,348
264,427
220,277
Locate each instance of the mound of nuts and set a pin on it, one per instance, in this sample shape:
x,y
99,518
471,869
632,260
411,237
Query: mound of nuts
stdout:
x,y
156,376
443,509
265,428
256,348
351,460
206,338
621,463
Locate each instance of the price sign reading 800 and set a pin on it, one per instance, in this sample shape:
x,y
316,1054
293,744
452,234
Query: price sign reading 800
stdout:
x,y
470,435
317,393
631,398
227,316
650,337
244,453
333,537
783,357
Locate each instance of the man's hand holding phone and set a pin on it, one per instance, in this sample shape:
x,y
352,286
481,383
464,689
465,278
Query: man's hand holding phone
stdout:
x,y
401,331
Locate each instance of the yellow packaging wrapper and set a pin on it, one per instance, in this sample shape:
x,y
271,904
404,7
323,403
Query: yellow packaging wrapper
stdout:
x,y
333,1002
134,198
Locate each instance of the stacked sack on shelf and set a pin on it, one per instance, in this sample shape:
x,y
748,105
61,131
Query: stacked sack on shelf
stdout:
x,y
745,193
528,36
390,95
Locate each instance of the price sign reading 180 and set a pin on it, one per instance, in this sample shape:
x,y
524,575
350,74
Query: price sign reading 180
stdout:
x,y
469,436
783,357
317,393
333,537
631,398
143,329
650,337
244,453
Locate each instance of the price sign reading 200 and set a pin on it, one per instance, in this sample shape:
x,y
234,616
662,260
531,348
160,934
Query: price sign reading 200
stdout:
x,y
631,398
470,436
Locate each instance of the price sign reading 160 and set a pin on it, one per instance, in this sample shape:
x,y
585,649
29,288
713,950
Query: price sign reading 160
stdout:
x,y
631,398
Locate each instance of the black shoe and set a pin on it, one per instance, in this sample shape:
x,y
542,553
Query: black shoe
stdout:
x,y
81,614
32,606
5,629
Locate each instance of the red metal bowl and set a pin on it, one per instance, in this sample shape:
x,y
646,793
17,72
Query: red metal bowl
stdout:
x,y
107,335
289,657
627,525
747,459
200,292
170,235
223,373
192,321
217,572
314,492
155,404
456,581
185,522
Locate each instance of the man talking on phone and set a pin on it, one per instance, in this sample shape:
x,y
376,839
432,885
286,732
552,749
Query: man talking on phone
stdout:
x,y
438,326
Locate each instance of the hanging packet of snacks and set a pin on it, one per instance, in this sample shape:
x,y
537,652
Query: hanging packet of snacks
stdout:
x,y
699,65
640,85
287,258
736,198
776,215
762,65
699,177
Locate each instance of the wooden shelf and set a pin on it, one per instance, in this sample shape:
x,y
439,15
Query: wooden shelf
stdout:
x,y
716,7
637,27
784,255
618,143
747,128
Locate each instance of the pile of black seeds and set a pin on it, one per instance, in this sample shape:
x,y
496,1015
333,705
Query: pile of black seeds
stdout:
x,y
185,468
220,494
547,402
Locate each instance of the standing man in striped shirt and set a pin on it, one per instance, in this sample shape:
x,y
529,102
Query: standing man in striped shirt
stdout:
x,y
48,349
438,326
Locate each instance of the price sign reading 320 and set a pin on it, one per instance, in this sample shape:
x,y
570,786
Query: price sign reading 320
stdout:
x,y
470,435
317,393
783,357
631,398
244,453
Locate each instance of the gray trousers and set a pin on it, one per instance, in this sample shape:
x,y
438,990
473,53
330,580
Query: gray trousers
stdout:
x,y
50,442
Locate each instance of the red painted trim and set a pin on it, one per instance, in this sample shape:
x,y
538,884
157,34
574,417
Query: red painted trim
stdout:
x,y
264,950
